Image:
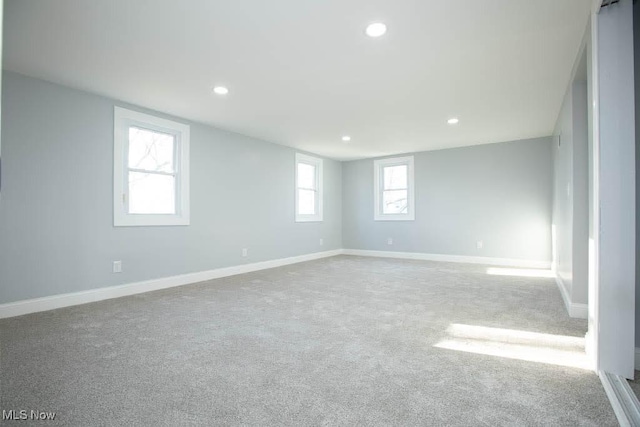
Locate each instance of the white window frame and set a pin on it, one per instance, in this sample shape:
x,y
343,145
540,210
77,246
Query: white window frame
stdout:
x,y
378,166
123,119
317,163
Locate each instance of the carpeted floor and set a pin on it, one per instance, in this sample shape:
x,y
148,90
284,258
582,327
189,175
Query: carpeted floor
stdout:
x,y
339,341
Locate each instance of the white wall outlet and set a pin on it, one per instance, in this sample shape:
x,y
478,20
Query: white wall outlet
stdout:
x,y
479,244
389,241
321,242
117,266
245,252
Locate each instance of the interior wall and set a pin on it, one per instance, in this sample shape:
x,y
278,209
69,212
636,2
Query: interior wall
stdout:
x,y
580,289
562,216
636,61
1,32
56,215
571,177
617,192
500,194
593,332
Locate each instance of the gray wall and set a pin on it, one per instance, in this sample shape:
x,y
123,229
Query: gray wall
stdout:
x,y
636,60
562,216
580,292
571,204
1,32
56,215
617,192
498,193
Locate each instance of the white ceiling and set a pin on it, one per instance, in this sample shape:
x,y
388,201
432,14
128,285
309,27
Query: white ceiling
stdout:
x,y
302,72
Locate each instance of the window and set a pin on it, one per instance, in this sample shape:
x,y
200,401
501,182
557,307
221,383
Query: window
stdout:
x,y
394,194
150,170
308,188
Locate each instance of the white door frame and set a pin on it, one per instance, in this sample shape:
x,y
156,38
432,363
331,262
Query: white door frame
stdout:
x,y
612,311
593,332
611,334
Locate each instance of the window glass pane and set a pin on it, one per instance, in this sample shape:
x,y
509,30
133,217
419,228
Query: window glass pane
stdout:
x,y
151,193
306,176
394,202
395,177
306,202
149,150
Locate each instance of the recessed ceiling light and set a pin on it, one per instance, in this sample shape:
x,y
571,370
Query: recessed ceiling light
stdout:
x,y
453,121
376,29
346,138
220,90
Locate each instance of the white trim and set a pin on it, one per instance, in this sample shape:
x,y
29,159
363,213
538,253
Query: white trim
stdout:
x,y
506,262
318,164
622,398
378,165
20,308
594,241
588,349
579,311
575,310
122,119
596,6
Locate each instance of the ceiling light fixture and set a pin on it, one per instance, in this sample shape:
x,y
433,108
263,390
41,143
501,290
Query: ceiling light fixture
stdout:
x,y
346,138
376,29
453,121
220,90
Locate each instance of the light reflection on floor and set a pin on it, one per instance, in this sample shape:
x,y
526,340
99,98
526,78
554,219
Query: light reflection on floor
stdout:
x,y
520,272
551,349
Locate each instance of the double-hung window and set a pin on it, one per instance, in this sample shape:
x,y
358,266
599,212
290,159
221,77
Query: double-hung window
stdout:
x,y
394,189
151,170
308,188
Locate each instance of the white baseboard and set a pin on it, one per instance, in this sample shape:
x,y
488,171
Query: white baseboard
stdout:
x,y
579,311
20,308
505,262
34,305
589,348
576,310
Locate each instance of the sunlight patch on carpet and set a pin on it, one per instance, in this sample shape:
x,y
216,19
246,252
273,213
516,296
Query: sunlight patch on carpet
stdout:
x,y
536,347
520,272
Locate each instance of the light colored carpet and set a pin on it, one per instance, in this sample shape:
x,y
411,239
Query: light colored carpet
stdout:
x,y
339,341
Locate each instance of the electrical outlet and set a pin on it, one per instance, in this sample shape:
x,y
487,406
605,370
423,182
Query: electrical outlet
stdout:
x,y
245,252
321,242
117,266
479,244
389,241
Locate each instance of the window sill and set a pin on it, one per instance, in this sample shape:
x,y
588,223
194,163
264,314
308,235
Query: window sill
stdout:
x,y
394,218
311,219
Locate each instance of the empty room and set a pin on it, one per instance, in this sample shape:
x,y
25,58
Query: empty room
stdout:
x,y
307,212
